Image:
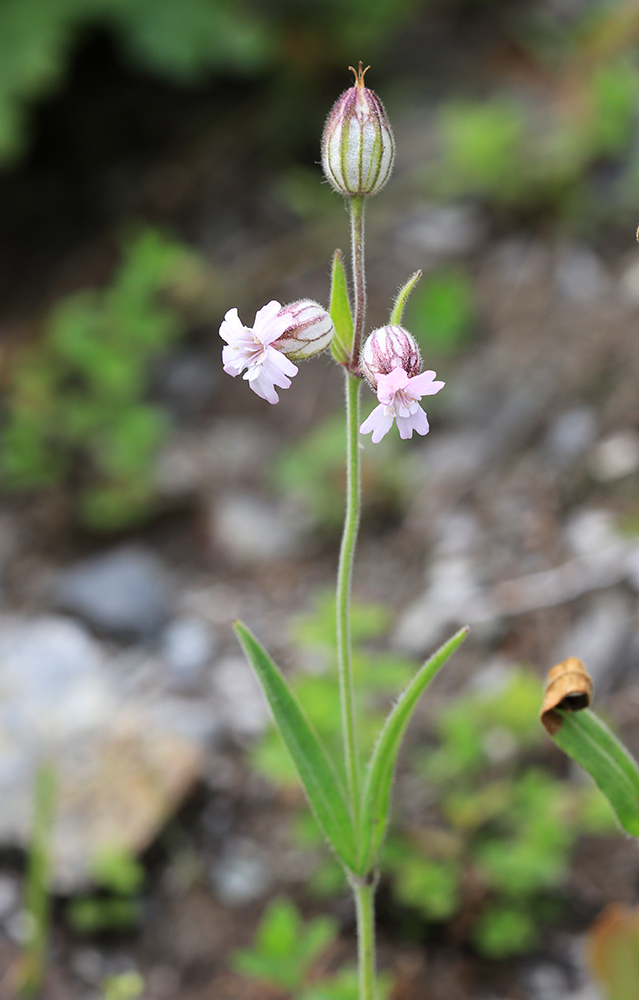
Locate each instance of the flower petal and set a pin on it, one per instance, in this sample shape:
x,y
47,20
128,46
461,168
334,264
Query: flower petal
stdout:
x,y
232,328
261,384
423,385
417,421
379,422
269,323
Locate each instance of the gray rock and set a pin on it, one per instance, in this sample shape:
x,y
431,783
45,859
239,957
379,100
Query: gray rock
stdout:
x,y
444,230
571,434
243,873
239,703
250,530
600,638
616,456
453,598
125,592
187,646
9,895
123,761
580,275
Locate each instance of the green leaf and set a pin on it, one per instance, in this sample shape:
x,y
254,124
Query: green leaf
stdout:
x,y
379,777
584,737
312,763
340,310
402,297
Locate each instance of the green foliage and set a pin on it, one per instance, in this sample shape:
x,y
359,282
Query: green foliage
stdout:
x,y
585,738
312,472
285,947
79,395
441,312
499,825
125,986
514,824
37,902
313,765
116,907
506,153
285,950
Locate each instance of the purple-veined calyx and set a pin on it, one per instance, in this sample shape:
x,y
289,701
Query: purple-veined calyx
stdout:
x,y
391,362
309,332
358,148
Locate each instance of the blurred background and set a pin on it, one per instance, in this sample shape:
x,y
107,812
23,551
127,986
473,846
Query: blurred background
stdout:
x,y
158,166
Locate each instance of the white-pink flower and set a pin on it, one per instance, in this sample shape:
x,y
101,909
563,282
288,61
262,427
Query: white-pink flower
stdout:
x,y
252,348
399,396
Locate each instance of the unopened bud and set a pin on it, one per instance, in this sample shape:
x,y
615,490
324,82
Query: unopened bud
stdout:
x,y
358,148
310,331
389,348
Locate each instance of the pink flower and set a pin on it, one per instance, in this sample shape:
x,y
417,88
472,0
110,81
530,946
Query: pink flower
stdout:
x,y
253,348
399,396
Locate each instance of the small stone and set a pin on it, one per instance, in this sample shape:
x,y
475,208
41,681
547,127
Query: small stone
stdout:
x,y
123,761
453,597
242,875
124,592
615,457
88,964
599,638
187,646
9,895
250,530
630,281
444,230
238,698
580,275
571,434
187,381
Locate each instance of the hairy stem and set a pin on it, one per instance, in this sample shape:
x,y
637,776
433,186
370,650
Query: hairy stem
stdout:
x,y
344,576
365,904
359,277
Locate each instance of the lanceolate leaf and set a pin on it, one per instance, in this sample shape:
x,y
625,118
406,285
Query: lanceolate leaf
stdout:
x,y
312,763
379,778
585,738
340,310
402,297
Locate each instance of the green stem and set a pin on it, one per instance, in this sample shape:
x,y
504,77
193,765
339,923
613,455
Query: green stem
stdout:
x,y
365,904
359,277
344,576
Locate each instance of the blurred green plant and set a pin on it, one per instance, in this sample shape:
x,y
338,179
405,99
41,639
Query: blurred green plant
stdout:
x,y
511,154
182,40
612,947
285,950
441,311
116,907
498,829
124,986
37,896
76,407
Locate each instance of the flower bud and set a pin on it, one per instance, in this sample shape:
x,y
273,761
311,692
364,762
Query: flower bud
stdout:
x,y
310,330
389,348
358,148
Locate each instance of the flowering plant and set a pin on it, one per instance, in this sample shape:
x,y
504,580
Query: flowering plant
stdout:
x,y
358,150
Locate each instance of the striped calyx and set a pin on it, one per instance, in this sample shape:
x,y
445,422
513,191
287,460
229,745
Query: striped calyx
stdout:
x,y
389,348
358,148
309,332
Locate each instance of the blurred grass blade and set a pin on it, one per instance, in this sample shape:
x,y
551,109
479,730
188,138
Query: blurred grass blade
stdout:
x,y
340,310
312,763
379,778
585,738
37,899
402,297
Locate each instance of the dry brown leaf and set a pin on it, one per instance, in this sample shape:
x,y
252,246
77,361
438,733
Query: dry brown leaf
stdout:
x,y
568,687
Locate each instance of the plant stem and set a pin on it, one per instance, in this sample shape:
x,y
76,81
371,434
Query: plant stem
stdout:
x,y
359,276
365,904
344,576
